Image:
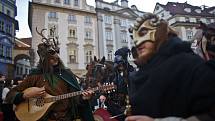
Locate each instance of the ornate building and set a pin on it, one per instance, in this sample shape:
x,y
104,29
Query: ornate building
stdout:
x,y
21,57
76,28
8,26
185,17
114,19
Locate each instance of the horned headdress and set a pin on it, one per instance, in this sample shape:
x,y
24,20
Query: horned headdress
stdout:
x,y
49,46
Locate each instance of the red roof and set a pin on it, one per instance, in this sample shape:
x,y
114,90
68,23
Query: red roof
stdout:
x,y
24,43
26,40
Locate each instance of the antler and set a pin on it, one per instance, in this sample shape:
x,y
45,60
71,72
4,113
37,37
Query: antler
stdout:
x,y
42,35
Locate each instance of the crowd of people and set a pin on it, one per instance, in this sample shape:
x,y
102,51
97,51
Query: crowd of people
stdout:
x,y
172,82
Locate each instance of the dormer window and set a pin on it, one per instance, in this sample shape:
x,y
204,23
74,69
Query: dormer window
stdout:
x,y
187,19
133,7
162,15
198,20
187,10
157,8
198,10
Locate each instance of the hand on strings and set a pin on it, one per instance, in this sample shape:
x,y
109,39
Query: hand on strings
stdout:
x,y
87,94
34,92
139,118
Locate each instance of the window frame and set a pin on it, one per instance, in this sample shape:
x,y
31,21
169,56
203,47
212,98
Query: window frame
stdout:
x,y
88,56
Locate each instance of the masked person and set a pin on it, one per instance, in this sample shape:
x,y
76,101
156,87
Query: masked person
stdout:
x,y
171,81
53,78
204,41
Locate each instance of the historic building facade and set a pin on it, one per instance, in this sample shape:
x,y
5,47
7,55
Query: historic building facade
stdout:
x,y
114,19
185,17
22,57
8,26
75,23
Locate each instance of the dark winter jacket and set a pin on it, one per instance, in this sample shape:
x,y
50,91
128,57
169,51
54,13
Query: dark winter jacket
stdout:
x,y
175,82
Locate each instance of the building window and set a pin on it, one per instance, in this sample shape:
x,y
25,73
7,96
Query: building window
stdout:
x,y
17,70
162,15
72,32
123,37
8,52
187,19
108,35
198,20
87,20
72,18
157,8
1,25
8,29
88,34
76,2
8,12
108,20
26,71
110,55
208,21
57,1
1,50
67,2
88,56
72,56
52,15
21,71
123,23
189,34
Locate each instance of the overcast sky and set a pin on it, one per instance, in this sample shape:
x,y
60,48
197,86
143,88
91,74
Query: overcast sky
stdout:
x,y
143,5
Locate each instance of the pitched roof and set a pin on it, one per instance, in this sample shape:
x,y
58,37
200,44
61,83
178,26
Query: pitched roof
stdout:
x,y
179,8
26,40
210,9
23,43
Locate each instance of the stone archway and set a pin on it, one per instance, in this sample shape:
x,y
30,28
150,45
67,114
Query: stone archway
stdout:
x,y
21,56
22,65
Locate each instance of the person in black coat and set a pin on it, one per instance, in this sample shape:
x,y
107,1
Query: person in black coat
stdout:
x,y
171,81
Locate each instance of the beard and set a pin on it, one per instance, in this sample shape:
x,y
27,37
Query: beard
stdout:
x,y
143,59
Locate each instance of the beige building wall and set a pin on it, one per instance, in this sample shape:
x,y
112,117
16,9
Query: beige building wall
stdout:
x,y
79,44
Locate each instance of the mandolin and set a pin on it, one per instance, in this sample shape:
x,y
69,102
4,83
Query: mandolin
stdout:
x,y
34,109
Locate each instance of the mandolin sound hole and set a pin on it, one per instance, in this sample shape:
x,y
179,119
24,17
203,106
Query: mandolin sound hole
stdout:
x,y
40,102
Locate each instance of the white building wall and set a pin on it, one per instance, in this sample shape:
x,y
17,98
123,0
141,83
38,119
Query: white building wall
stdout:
x,y
183,31
182,19
171,21
192,19
115,26
63,34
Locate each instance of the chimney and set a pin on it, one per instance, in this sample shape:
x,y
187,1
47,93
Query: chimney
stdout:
x,y
124,3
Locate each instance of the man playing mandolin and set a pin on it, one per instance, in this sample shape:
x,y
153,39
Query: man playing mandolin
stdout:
x,y
50,79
